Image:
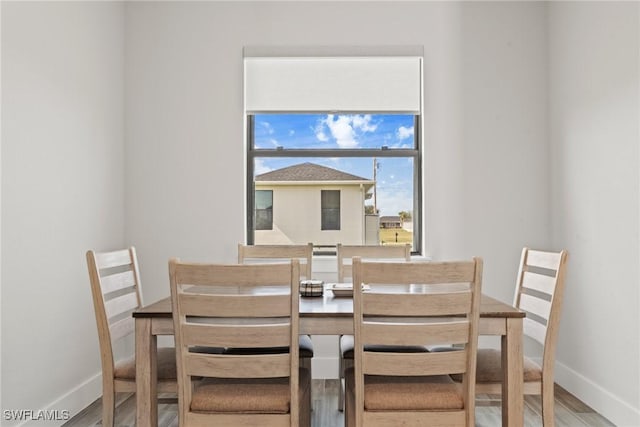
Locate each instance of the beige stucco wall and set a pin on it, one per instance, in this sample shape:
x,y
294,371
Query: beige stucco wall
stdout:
x,y
297,217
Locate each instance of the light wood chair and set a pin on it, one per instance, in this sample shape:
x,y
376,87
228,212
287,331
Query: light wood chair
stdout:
x,y
539,292
344,255
115,286
255,254
412,304
259,254
229,306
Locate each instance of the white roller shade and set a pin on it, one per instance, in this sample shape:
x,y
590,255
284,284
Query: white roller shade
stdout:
x,y
362,84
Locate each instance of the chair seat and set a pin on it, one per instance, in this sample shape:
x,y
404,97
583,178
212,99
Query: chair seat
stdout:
x,y
126,368
306,349
246,395
424,393
489,367
347,343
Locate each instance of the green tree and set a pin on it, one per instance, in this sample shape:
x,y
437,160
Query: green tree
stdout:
x,y
405,215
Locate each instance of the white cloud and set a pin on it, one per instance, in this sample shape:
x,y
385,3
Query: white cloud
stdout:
x,y
267,127
319,131
292,132
363,123
404,133
269,143
342,130
259,167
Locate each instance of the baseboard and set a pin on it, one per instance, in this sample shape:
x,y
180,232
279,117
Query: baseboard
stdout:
x,y
610,406
69,404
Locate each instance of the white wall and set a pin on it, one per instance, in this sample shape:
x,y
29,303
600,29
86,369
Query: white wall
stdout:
x,y
62,193
594,115
499,160
485,122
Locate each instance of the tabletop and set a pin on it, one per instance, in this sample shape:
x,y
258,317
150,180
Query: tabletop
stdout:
x,y
331,305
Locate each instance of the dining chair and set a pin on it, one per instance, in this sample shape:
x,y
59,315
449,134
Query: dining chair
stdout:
x,y
255,254
259,254
409,304
539,292
344,255
238,306
115,287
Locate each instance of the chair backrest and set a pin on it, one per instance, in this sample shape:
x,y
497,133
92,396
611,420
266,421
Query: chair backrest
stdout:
x,y
414,304
257,254
115,286
345,253
539,292
242,306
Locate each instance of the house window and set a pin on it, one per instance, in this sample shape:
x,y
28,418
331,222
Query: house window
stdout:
x,y
334,121
330,206
264,210
341,172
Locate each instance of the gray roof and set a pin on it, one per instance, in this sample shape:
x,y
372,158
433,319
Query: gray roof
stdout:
x,y
390,219
308,172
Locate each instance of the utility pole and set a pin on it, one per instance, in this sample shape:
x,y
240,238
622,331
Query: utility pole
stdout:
x,y
375,186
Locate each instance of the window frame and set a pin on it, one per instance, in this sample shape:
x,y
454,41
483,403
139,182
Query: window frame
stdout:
x,y
384,152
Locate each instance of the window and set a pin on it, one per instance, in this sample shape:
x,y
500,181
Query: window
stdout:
x,y
333,133
264,210
330,205
349,174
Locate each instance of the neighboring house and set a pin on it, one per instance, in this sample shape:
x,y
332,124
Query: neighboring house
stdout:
x,y
390,222
311,203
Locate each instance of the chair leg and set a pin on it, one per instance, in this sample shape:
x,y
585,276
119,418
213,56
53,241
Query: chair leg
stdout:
x,y
349,410
547,398
344,365
108,408
305,362
341,384
305,408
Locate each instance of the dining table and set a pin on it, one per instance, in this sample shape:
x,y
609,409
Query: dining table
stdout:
x,y
330,314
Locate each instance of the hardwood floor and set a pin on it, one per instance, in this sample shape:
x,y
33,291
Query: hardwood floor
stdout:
x,y
569,411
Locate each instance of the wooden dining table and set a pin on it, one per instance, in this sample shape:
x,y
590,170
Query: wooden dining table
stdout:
x,y
332,315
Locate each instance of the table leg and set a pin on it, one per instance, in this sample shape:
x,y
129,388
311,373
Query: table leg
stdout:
x,y
513,384
146,374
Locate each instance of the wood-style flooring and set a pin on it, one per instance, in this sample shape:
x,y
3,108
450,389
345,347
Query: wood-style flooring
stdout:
x,y
569,411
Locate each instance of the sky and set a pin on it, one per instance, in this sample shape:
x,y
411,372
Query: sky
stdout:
x,y
344,131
